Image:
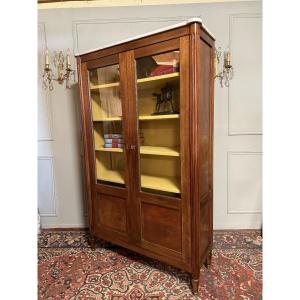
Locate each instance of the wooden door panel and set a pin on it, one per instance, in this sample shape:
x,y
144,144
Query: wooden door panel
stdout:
x,y
162,154
110,212
162,226
105,106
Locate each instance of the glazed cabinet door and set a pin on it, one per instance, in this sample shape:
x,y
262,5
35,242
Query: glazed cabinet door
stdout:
x,y
105,113
160,79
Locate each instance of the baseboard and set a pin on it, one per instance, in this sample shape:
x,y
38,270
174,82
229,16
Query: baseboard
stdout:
x,y
217,226
239,226
65,229
64,226
86,229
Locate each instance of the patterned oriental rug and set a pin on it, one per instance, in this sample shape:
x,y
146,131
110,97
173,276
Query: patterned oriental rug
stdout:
x,y
69,269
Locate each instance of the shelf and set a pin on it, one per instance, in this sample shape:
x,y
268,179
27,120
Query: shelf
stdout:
x,y
108,119
144,81
141,118
150,150
166,184
109,149
166,151
104,86
111,176
149,82
158,117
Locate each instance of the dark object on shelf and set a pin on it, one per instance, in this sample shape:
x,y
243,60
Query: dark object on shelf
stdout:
x,y
144,66
165,99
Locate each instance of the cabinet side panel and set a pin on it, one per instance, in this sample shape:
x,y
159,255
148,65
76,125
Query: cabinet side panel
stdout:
x,y
204,106
205,148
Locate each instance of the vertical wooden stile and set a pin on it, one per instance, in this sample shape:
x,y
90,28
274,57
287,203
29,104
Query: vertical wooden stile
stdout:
x,y
87,139
194,113
184,144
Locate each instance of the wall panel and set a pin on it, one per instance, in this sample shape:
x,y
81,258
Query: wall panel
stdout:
x,y
244,182
46,187
245,92
44,96
84,40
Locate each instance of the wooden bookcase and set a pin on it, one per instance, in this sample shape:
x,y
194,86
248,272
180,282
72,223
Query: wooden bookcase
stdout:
x,y
153,192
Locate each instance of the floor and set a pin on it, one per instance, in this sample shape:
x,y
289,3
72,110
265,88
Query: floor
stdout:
x,y
69,269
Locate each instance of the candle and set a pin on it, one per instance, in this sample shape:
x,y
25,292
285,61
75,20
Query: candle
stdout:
x,y
68,58
228,55
46,58
227,59
216,65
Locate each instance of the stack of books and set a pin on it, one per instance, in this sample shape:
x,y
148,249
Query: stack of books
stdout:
x,y
166,63
112,140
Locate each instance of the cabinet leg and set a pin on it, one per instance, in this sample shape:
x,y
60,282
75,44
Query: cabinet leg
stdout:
x,y
207,262
195,283
92,242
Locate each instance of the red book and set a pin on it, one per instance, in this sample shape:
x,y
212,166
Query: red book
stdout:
x,y
162,69
114,143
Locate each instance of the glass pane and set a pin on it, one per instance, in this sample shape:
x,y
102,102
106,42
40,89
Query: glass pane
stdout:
x,y
107,125
158,94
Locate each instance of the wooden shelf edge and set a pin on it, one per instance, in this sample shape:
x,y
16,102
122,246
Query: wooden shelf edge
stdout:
x,y
111,176
111,180
141,118
104,86
141,80
103,149
165,184
158,117
162,151
109,119
146,150
160,77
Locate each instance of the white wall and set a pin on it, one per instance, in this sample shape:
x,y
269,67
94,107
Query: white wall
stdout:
x,y
237,144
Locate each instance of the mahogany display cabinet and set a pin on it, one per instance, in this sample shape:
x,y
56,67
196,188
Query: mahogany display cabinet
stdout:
x,y
147,119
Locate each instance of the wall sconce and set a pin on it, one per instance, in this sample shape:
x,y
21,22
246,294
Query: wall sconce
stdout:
x,y
227,72
63,74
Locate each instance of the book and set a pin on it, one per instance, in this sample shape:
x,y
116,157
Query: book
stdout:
x,y
117,145
113,136
114,143
113,140
168,58
162,70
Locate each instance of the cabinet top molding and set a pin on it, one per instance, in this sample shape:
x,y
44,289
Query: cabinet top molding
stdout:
x,y
191,20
